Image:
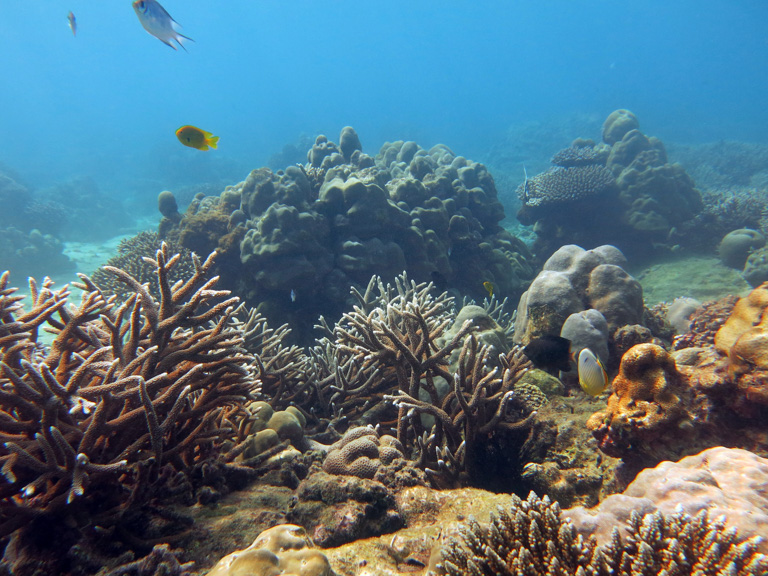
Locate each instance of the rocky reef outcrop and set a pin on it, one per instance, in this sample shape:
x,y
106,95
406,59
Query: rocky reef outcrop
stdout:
x,y
621,191
295,240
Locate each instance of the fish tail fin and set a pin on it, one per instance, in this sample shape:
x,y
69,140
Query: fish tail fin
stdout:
x,y
213,142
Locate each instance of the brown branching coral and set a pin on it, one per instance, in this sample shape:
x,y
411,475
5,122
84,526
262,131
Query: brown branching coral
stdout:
x,y
134,256
394,350
387,343
532,539
126,396
282,370
481,402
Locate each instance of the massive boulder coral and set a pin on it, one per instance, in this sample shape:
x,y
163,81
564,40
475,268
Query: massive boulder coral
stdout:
x,y
574,280
308,233
649,404
743,338
728,482
622,191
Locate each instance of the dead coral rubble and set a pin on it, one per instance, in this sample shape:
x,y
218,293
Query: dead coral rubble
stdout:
x,y
531,538
125,399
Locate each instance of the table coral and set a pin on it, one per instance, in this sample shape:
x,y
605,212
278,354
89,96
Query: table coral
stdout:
x,y
625,191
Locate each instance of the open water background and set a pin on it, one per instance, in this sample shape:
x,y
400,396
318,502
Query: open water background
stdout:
x,y
262,74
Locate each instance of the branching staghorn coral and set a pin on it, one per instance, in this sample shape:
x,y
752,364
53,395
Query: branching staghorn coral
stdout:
x,y
281,370
480,403
531,538
125,396
388,343
134,256
393,350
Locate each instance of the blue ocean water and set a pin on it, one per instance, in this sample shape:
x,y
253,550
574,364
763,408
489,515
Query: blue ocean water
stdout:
x,y
260,74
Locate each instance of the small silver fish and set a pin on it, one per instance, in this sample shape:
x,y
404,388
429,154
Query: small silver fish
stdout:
x,y
72,23
156,20
293,295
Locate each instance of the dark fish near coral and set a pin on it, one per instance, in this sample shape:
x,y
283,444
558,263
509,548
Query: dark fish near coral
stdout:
x,y
550,353
72,23
195,138
156,20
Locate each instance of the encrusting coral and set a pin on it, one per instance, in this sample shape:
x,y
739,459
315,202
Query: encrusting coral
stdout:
x,y
125,402
533,539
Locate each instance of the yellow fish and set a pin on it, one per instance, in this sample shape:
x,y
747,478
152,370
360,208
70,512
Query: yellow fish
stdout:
x,y
196,138
592,375
488,286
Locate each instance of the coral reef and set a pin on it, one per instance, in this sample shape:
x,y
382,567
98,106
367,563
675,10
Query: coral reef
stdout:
x,y
14,197
624,191
737,245
285,549
756,267
574,280
532,538
135,256
32,253
649,401
123,406
668,405
725,482
303,235
704,323
725,164
361,452
339,509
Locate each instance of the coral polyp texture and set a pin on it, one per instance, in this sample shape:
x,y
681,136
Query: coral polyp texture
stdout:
x,y
126,401
295,240
744,339
624,191
532,538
